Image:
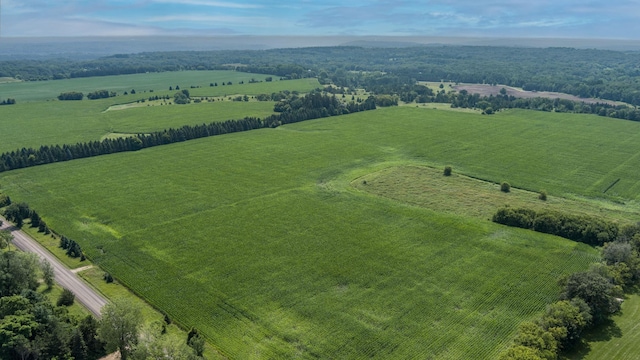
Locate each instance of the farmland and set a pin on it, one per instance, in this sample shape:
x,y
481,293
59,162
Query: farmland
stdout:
x,y
32,124
260,241
48,90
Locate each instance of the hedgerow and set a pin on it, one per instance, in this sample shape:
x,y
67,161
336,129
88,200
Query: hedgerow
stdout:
x,y
581,228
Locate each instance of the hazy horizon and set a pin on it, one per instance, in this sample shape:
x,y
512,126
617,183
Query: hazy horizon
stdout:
x,y
14,48
449,18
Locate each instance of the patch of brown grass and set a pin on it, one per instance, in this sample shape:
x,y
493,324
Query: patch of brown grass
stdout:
x,y
458,194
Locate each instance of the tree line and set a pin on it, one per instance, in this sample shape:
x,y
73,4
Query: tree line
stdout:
x,y
610,75
589,230
490,104
292,109
588,299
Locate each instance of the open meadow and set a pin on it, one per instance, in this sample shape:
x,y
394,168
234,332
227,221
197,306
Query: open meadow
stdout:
x,y
262,242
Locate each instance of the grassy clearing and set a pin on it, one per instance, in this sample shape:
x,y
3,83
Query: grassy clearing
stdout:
x,y
53,245
49,90
462,195
76,310
8,80
157,117
258,240
442,106
616,340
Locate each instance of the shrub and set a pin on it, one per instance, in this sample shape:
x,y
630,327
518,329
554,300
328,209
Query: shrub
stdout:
x,y
522,218
4,200
447,171
505,187
107,277
543,195
66,298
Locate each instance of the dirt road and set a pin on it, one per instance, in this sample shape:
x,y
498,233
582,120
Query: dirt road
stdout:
x,y
65,277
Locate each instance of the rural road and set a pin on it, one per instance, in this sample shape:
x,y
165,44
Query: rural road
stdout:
x,y
63,276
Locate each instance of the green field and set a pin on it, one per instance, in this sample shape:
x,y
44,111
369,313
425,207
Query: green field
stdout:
x,y
144,83
260,241
617,340
67,122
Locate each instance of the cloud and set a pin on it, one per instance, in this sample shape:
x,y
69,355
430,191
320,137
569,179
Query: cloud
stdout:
x,y
200,18
221,4
566,18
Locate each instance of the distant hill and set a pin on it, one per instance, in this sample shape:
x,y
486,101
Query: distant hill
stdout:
x,y
86,48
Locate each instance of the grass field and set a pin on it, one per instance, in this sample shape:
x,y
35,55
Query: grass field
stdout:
x,y
615,340
259,240
458,194
68,122
48,90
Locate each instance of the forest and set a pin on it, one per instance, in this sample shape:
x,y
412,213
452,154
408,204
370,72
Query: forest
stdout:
x,y
604,74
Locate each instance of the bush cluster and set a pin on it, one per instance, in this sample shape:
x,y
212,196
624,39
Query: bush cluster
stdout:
x,y
100,94
585,229
72,95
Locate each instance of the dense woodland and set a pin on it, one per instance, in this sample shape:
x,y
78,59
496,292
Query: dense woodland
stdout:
x,y
610,75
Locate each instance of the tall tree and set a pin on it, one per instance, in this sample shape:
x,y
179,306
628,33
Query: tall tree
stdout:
x,y
120,326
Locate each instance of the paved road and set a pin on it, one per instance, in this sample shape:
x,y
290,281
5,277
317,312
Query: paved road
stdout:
x,y
67,279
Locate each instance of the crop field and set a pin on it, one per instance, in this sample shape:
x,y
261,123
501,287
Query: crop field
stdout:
x,y
49,90
260,241
68,122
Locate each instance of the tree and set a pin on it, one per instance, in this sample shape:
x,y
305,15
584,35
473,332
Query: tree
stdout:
x,y
505,187
88,327
537,338
566,320
155,344
181,98
79,349
617,252
18,272
596,290
447,171
73,95
120,326
5,238
542,195
520,352
15,334
47,273
66,298
197,344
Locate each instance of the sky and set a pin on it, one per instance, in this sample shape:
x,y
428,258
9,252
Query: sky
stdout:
x,y
617,19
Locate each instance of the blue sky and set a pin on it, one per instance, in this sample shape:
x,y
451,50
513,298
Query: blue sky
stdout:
x,y
618,19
